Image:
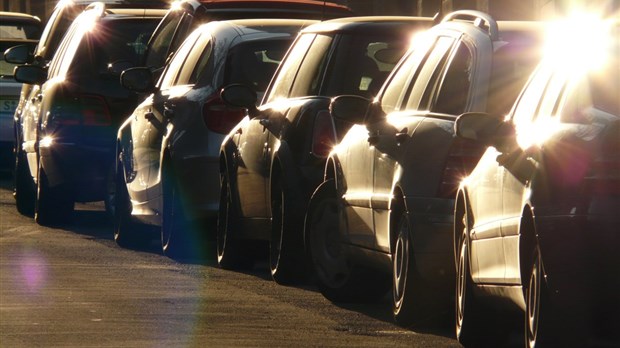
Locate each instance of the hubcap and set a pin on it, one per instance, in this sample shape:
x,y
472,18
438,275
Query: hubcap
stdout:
x,y
401,263
533,303
461,276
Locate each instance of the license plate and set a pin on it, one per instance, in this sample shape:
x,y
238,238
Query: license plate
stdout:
x,y
8,106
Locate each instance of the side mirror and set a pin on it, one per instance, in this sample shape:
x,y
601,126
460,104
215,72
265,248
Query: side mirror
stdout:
x,y
30,74
239,95
138,80
18,54
486,129
349,108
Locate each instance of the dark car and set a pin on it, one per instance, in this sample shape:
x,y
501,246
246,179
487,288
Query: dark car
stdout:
x,y
382,218
68,127
55,28
536,222
187,15
15,29
273,160
168,149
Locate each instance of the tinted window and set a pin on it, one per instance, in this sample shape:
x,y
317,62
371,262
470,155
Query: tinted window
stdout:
x,y
454,89
112,41
308,79
361,63
173,70
18,30
286,75
395,90
254,63
162,38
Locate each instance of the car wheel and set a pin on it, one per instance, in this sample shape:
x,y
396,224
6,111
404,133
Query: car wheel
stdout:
x,y
127,233
469,316
25,189
110,191
285,245
53,205
175,229
337,277
410,301
540,322
231,252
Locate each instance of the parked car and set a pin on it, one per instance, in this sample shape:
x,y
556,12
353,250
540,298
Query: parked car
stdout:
x,y
382,218
272,161
187,15
63,15
68,127
536,222
168,149
15,29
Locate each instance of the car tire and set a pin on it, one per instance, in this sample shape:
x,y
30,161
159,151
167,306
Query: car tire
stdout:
x,y
127,233
541,325
337,277
53,205
285,245
25,190
175,228
411,303
231,252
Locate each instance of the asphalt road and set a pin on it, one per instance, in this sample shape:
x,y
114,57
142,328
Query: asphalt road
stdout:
x,y
73,287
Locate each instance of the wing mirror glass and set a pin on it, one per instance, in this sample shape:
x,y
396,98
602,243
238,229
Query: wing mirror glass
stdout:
x,y
18,55
240,96
487,129
30,74
138,80
349,108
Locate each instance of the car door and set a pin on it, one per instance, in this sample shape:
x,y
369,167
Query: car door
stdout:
x,y
392,138
253,144
534,112
154,123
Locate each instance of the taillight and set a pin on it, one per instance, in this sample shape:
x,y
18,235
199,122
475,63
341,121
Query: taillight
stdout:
x,y
462,158
323,134
88,110
219,117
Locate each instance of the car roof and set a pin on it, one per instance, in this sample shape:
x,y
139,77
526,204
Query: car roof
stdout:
x,y
317,9
369,23
163,4
18,16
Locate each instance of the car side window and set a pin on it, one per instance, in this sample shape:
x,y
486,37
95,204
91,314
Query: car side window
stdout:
x,y
201,64
403,75
161,40
527,105
427,79
455,85
288,70
172,75
308,79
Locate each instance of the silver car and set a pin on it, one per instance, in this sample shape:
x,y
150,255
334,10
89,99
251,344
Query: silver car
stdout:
x,y
167,150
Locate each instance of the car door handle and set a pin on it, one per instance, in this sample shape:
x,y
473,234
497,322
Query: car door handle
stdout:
x,y
373,139
169,110
402,135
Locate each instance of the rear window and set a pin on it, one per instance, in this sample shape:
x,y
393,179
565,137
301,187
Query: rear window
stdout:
x,y
115,41
10,30
254,63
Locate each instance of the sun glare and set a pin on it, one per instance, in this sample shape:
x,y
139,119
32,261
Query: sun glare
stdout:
x,y
579,42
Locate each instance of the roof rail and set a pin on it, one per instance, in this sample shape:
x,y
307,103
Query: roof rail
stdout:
x,y
96,6
479,19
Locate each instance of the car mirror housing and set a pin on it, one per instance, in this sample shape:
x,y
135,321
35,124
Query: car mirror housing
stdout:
x,y
349,108
30,74
138,80
239,95
487,129
18,55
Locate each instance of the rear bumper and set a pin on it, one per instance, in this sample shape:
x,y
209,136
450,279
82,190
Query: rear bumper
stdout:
x,y
83,169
